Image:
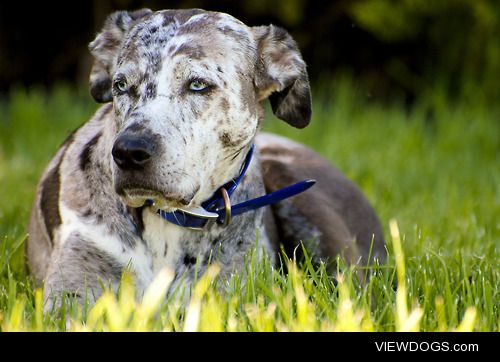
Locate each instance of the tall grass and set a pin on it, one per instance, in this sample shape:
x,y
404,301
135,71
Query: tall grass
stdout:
x,y
431,172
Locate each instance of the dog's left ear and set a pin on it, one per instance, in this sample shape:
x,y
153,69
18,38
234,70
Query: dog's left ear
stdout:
x,y
282,76
105,48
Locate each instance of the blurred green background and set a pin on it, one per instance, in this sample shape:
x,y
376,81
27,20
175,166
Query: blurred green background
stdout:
x,y
394,49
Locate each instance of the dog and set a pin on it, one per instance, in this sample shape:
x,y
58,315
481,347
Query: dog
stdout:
x,y
183,94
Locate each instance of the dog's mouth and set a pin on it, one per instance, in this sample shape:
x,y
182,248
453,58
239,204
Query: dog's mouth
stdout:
x,y
138,197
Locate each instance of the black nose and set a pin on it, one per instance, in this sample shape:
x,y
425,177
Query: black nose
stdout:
x,y
132,152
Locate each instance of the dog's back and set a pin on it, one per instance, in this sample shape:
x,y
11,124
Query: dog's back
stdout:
x,y
330,216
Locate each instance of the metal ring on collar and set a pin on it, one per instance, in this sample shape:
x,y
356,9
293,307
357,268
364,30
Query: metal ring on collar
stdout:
x,y
227,207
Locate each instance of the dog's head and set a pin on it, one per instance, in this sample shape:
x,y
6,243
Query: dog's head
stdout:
x,y
186,88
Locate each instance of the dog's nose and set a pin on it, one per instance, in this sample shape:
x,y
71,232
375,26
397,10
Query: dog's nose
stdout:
x,y
132,152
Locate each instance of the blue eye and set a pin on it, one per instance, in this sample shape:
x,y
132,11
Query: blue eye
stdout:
x,y
198,85
121,86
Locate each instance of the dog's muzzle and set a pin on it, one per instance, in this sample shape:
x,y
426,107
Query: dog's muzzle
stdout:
x,y
136,178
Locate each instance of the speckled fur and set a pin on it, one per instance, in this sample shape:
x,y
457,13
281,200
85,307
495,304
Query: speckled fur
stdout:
x,y
86,228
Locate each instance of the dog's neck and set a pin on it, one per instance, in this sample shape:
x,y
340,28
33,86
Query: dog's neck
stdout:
x,y
177,247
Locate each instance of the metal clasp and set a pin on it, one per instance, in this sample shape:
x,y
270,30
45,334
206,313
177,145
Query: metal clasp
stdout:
x,y
201,213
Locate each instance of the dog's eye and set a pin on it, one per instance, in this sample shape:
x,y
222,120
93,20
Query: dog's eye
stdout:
x,y
121,86
198,85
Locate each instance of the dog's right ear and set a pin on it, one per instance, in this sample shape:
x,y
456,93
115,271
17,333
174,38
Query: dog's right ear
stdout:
x,y
105,49
281,75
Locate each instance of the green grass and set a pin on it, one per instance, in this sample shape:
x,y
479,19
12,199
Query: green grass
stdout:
x,y
434,180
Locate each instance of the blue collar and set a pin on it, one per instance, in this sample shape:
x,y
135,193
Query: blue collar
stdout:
x,y
218,208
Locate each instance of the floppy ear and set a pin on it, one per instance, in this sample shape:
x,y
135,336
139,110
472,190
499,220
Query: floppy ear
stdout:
x,y
282,76
105,48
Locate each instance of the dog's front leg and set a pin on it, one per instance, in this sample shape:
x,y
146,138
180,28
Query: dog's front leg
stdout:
x,y
80,270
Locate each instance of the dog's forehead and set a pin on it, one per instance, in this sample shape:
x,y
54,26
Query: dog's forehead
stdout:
x,y
192,32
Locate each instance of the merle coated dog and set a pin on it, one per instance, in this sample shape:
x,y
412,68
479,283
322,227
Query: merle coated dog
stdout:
x,y
148,182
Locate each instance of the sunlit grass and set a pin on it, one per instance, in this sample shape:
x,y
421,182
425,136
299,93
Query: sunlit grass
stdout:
x,y
432,176
290,307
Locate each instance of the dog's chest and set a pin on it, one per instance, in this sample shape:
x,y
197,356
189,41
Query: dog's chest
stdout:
x,y
164,242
